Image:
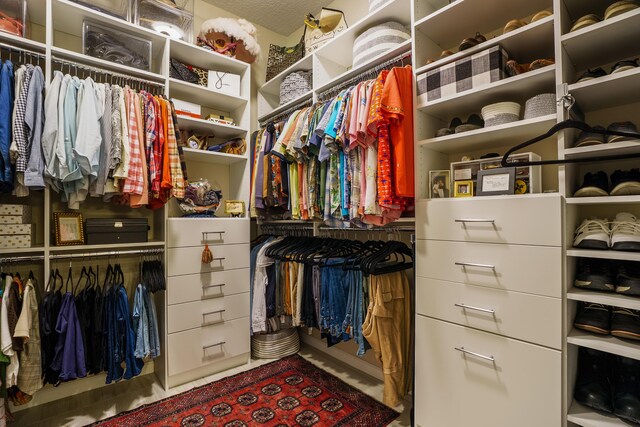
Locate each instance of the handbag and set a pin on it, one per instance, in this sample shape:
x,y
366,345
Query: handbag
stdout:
x,y
281,57
182,72
319,31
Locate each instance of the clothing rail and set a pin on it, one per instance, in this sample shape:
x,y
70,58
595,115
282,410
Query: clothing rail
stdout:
x,y
11,48
13,260
105,72
287,112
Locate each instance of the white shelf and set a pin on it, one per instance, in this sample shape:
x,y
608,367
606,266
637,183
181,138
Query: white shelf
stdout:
x,y
204,96
494,136
517,88
306,97
22,42
486,16
534,40
194,155
208,127
606,343
204,58
272,87
604,254
107,65
116,246
623,147
604,42
17,251
587,417
608,91
604,200
607,298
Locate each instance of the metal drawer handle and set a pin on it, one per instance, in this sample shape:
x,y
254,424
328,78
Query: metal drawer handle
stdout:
x,y
213,286
491,221
218,259
471,353
473,264
206,347
470,307
206,233
213,312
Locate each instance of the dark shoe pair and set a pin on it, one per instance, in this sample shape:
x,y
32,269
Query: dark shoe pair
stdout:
x,y
604,320
623,183
595,138
618,67
473,122
608,383
472,41
599,275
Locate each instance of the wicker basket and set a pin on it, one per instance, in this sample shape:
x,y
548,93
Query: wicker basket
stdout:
x,y
275,345
295,85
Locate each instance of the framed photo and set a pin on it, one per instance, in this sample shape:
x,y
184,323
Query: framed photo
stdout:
x,y
440,184
463,189
69,229
234,208
494,182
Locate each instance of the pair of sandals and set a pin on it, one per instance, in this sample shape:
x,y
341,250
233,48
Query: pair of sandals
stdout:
x,y
514,68
617,8
618,67
474,121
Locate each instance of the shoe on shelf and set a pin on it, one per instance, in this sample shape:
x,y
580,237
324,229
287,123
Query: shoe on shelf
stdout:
x,y
471,42
541,15
628,127
625,323
455,122
625,65
593,234
593,384
540,63
585,21
591,74
628,279
620,7
595,274
473,122
591,138
593,317
625,183
594,185
625,233
626,388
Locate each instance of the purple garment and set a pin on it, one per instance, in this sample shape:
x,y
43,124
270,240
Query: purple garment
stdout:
x,y
69,351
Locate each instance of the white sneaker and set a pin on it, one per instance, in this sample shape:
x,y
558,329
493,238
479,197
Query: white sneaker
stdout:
x,y
625,232
593,234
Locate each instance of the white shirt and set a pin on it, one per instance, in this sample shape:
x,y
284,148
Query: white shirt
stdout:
x,y
259,304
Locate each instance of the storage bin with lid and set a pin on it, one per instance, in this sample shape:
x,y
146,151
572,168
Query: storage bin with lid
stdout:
x,y
120,9
171,18
13,17
116,46
101,231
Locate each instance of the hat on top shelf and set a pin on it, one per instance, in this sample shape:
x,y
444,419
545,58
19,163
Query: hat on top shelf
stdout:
x,y
231,37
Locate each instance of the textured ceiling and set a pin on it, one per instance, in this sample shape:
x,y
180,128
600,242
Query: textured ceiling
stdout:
x,y
280,16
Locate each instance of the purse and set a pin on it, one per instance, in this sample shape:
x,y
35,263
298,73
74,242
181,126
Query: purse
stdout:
x,y
319,31
182,72
281,57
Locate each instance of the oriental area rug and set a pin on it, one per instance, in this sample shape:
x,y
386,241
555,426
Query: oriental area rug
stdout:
x,y
287,392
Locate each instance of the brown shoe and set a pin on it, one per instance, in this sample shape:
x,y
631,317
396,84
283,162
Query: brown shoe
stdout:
x,y
540,63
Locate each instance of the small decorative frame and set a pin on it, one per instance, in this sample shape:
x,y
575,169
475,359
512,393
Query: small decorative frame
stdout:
x,y
69,228
495,182
439,184
463,189
235,208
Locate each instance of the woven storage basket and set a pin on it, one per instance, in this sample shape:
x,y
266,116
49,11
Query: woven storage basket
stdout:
x,y
275,345
294,86
501,113
540,105
378,40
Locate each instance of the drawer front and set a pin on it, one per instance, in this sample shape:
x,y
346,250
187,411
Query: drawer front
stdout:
x,y
531,269
521,387
189,260
202,286
199,347
522,220
183,232
208,312
517,315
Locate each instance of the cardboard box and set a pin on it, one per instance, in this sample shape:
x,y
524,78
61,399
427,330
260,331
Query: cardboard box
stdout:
x,y
185,108
224,82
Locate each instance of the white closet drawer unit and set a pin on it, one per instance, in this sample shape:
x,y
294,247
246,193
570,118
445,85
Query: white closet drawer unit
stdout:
x,y
521,386
207,345
513,314
183,232
209,312
531,269
188,260
202,286
524,220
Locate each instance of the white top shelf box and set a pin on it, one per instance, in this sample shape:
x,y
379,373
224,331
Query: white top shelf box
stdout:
x,y
608,91
204,96
204,58
272,87
208,127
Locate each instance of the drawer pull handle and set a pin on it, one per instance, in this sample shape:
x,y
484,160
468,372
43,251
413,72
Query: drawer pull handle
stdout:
x,y
213,286
490,221
213,312
471,353
206,347
206,233
473,264
470,307
217,259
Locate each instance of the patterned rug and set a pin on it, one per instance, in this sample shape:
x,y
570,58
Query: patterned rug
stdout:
x,y
287,392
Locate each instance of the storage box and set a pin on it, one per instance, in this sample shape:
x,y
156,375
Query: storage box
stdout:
x,y
228,83
175,22
116,46
14,214
295,85
15,236
185,108
14,17
101,231
14,209
477,70
116,8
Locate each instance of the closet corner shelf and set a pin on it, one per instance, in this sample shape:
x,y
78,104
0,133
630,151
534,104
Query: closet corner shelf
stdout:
x,y
22,42
608,91
10,252
199,56
272,87
194,155
606,298
204,96
107,65
536,39
307,96
607,343
521,130
207,126
114,247
604,254
517,88
623,147
587,417
484,16
604,200
609,38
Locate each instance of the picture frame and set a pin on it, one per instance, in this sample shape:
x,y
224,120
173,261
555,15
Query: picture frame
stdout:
x,y
496,182
439,184
235,208
69,228
463,188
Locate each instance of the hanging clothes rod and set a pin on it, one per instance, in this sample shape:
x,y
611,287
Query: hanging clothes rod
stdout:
x,y
13,260
284,114
102,71
11,48
384,229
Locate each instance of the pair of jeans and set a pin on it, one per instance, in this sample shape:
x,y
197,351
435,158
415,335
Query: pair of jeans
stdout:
x,y
354,317
336,285
6,113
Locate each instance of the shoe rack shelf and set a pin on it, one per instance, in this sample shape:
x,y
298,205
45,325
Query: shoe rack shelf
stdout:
x,y
604,200
607,91
586,417
606,343
604,254
607,298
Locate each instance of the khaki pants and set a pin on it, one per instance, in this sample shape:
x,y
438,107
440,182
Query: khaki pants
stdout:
x,y
387,328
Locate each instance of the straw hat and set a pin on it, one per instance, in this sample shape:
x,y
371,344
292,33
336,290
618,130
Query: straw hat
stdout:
x,y
541,15
585,21
620,7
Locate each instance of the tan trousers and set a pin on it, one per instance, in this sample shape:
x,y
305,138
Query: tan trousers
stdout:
x,y
387,327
